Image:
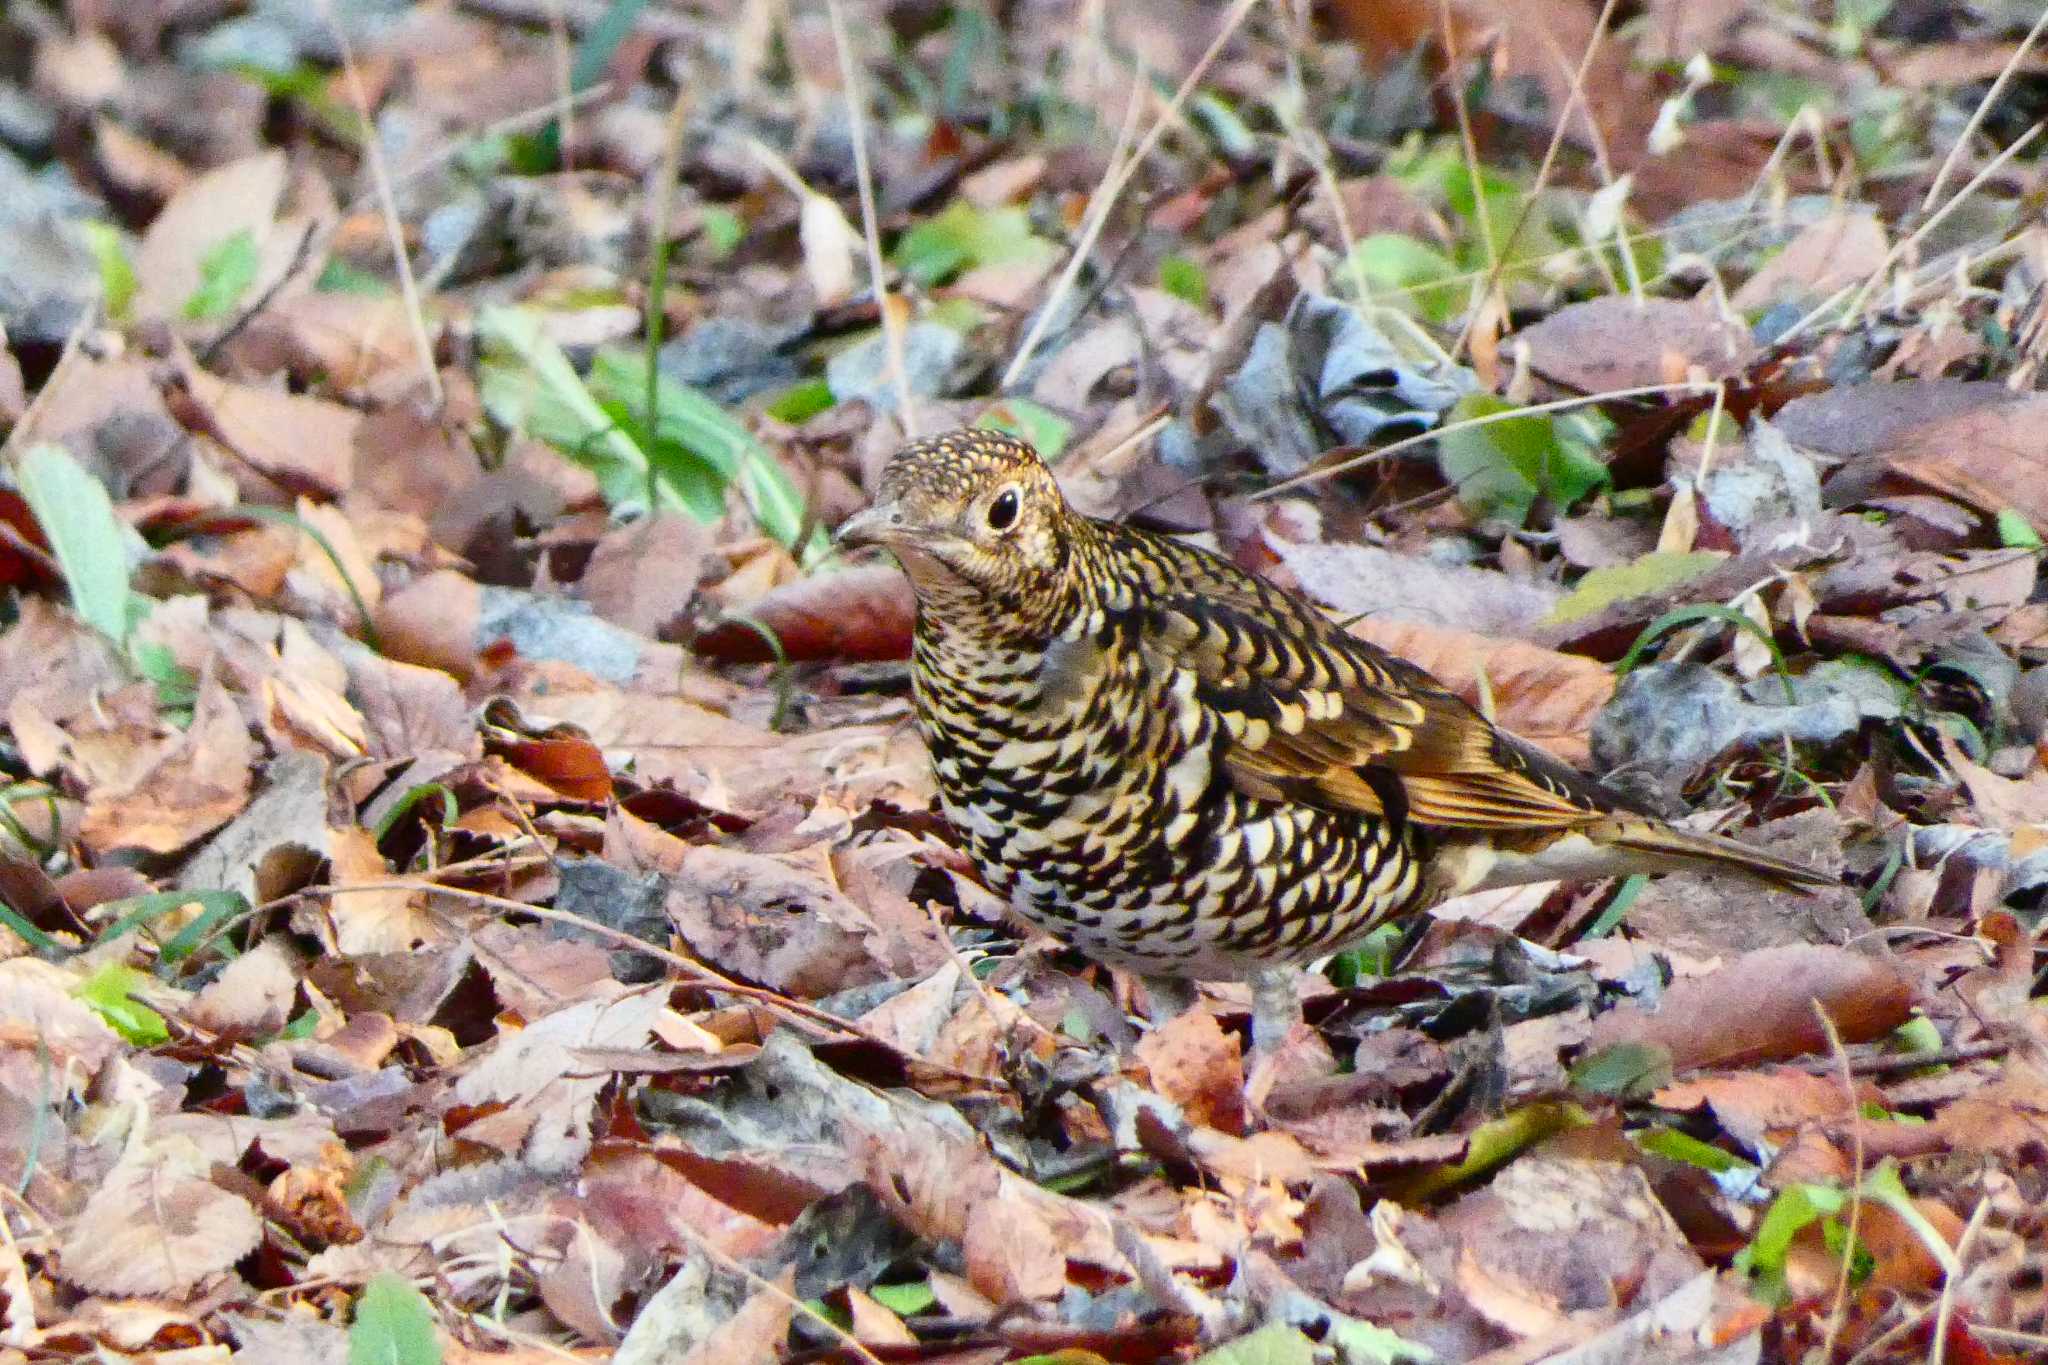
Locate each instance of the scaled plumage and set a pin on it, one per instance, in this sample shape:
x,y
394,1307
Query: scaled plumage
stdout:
x,y
1187,772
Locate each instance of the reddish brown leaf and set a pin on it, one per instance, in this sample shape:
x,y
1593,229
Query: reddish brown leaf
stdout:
x,y
1765,1006
861,613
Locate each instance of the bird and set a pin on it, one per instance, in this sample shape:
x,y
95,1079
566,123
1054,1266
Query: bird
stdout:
x,y
1188,772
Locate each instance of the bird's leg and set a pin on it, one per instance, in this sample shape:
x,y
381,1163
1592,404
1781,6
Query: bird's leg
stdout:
x,y
1167,997
1276,1008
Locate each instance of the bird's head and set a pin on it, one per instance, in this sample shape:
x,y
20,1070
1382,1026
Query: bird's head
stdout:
x,y
970,511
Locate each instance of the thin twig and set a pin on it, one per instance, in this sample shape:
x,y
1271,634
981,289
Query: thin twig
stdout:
x,y
664,191
1084,245
1838,1314
856,117
1575,100
565,84
1103,201
1983,109
373,160
794,1011
1945,1311
1470,145
1858,295
773,1290
1487,419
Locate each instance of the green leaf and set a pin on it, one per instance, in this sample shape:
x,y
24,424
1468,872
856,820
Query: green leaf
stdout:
x,y
1185,279
1277,1344
1367,1343
89,541
801,402
1917,1034
1653,572
1624,1070
1617,909
1370,958
530,387
134,912
1495,1143
339,277
117,272
721,231
1795,1209
699,449
2015,532
35,938
905,1300
1408,274
1499,467
225,274
1032,423
177,687
394,1325
1677,1146
962,237
110,993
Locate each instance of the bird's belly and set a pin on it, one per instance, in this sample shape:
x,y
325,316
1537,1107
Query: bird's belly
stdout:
x,y
1238,886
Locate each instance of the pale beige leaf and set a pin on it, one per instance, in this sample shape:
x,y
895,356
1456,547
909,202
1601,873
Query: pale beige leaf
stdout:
x,y
151,1229
379,918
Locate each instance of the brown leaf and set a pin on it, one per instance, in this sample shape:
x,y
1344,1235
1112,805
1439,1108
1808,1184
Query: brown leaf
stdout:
x,y
408,710
1012,1254
1761,1007
275,440
253,994
1769,1103
573,767
1838,251
195,786
1616,342
858,614
1989,457
151,1228
761,919
1199,1067
755,1334
642,576
242,196
385,916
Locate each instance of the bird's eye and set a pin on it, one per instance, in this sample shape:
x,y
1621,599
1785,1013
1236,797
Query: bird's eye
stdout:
x,y
1002,513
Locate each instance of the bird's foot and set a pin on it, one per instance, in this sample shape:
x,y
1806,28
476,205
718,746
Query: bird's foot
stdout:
x,y
1285,1051
1168,997
1276,1008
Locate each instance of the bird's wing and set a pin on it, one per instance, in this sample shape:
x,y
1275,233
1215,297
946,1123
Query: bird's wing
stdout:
x,y
1310,714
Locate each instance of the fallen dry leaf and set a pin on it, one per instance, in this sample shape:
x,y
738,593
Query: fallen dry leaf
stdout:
x,y
1765,1006
152,1228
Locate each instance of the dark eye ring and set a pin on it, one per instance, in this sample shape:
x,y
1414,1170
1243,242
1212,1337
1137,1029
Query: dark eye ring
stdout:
x,y
1002,513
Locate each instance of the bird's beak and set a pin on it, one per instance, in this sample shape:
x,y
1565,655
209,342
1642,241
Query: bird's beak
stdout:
x,y
877,525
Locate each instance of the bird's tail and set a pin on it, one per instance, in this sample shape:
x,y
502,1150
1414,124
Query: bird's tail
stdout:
x,y
1619,846
1677,850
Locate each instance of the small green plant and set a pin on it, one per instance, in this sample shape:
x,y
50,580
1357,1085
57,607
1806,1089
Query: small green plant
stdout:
x,y
394,1325
1800,1206
688,458
117,272
962,237
110,993
225,274
1500,467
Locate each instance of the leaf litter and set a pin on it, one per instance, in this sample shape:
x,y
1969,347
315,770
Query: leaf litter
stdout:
x,y
469,887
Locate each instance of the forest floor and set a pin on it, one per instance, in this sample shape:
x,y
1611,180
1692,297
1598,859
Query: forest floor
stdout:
x,y
469,881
